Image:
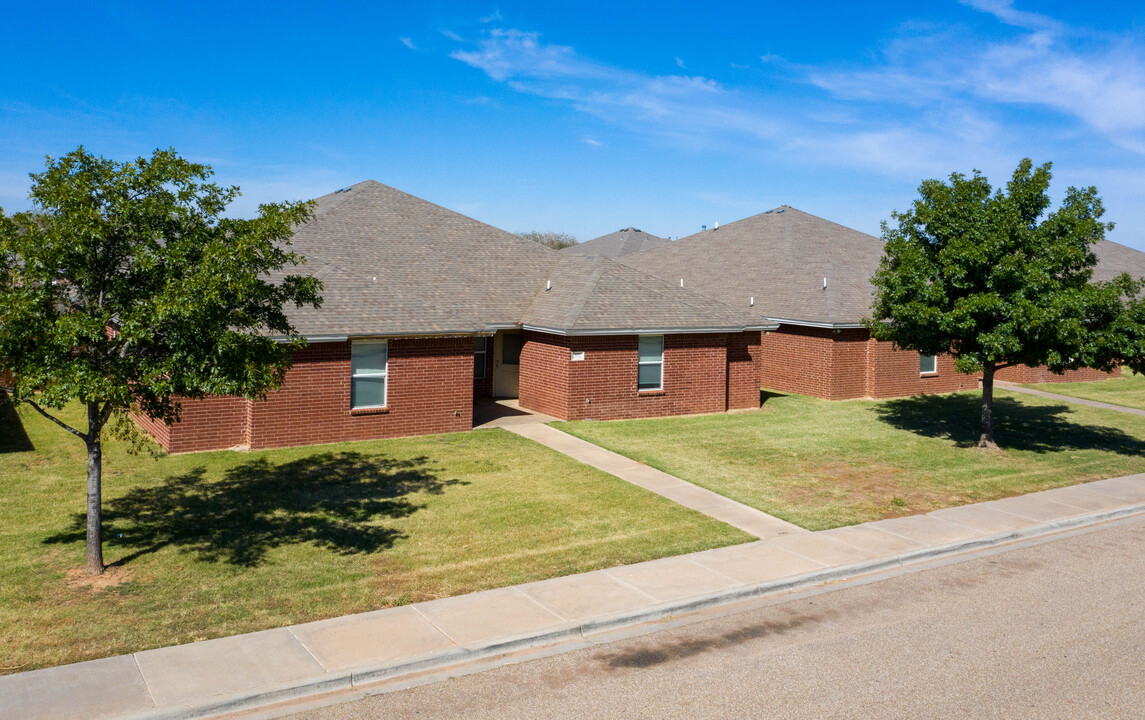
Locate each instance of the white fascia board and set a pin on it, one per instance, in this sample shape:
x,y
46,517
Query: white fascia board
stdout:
x,y
826,326
634,331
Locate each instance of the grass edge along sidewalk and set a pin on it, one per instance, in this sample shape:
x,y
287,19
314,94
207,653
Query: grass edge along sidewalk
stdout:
x,y
822,464
207,545
377,651
1127,390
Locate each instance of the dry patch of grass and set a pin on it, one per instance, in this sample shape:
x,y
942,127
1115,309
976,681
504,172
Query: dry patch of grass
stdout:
x,y
822,464
213,544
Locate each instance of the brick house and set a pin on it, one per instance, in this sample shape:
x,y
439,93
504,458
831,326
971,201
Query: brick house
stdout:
x,y
426,310
811,278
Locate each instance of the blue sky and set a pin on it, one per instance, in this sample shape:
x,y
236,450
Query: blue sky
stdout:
x,y
586,118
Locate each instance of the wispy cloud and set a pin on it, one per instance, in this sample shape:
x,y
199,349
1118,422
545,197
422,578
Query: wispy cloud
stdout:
x,y
494,17
591,141
408,42
934,97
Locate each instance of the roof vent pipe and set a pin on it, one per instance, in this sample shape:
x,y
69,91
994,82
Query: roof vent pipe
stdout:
x,y
681,282
824,283
548,285
717,227
751,302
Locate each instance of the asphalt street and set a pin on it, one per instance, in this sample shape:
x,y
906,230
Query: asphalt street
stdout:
x,y
1053,630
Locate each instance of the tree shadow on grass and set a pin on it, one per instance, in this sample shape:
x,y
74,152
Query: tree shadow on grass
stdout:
x,y
13,437
331,500
1018,426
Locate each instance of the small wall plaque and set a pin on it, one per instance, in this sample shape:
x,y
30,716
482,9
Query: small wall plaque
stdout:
x,y
577,355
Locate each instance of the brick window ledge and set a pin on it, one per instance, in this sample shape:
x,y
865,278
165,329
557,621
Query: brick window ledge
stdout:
x,y
355,412
651,393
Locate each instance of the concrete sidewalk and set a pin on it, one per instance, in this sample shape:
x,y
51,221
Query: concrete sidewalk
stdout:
x,y
354,652
1066,398
712,504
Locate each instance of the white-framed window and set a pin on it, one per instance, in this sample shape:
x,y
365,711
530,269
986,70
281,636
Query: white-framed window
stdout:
x,y
480,354
368,362
650,367
928,365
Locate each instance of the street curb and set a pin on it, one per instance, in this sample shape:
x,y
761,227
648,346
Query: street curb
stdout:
x,y
444,659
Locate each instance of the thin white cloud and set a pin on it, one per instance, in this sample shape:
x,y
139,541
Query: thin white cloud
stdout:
x,y
679,62
452,35
492,18
1005,11
591,141
408,42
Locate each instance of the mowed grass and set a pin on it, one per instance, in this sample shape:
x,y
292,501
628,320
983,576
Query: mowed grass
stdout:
x,y
213,544
1127,390
822,464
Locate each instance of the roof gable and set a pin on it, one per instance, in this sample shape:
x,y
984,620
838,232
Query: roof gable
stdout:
x,y
795,266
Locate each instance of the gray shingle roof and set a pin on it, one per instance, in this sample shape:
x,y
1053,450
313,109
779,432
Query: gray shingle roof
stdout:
x,y
592,294
617,244
780,258
394,264
1114,259
427,262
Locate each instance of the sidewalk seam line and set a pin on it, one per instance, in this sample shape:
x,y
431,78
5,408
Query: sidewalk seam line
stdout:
x,y
541,605
630,586
434,625
290,629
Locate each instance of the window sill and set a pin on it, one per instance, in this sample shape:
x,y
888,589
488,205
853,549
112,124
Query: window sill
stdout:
x,y
650,393
384,410
928,375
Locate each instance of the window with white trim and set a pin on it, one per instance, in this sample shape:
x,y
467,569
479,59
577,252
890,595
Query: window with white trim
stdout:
x,y
650,366
480,353
368,362
928,364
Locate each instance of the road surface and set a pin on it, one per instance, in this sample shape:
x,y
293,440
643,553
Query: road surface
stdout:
x,y
1053,630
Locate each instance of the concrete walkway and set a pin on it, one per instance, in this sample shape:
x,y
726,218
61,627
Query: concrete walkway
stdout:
x,y
371,651
712,504
1067,398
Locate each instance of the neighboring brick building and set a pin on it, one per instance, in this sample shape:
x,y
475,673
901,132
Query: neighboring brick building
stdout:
x,y
811,277
426,310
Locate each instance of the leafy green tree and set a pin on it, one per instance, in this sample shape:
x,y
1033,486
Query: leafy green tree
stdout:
x,y
125,289
995,280
555,240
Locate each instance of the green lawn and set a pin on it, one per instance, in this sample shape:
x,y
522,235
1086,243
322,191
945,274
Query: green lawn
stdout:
x,y
1128,390
214,544
822,464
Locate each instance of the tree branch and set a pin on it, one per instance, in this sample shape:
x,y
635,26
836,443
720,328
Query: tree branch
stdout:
x,y
62,424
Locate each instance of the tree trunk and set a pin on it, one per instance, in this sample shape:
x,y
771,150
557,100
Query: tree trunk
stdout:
x,y
986,439
94,492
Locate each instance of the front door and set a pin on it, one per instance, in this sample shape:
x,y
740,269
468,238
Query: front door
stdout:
x,y
506,364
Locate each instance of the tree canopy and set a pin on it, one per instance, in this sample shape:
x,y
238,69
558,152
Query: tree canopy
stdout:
x,y
996,279
126,289
555,240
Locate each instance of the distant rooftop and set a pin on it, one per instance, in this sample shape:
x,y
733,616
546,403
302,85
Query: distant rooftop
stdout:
x,y
628,241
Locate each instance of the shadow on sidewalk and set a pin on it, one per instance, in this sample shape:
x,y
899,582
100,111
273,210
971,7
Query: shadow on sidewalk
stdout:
x,y
332,500
1035,428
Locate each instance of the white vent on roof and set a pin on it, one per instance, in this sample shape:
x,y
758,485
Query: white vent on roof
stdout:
x,y
681,282
751,302
548,285
824,283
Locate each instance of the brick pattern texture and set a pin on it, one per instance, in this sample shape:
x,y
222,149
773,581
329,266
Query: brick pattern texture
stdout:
x,y
430,391
850,364
703,373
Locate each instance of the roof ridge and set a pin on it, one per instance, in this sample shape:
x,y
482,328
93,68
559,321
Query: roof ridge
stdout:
x,y
577,309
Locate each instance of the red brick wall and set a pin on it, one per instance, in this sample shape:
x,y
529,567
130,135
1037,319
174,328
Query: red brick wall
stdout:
x,y
603,385
848,364
744,357
1026,374
895,373
430,391
544,379
212,423
797,360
